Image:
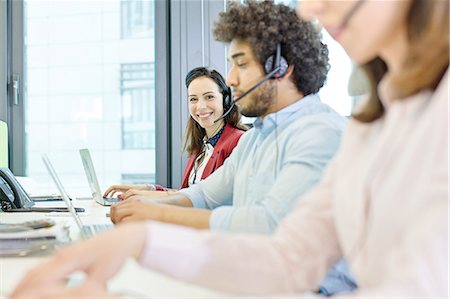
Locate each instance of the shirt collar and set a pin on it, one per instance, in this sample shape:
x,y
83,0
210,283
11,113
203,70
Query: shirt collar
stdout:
x,y
301,106
213,140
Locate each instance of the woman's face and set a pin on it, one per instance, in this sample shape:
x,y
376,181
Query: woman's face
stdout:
x,y
205,101
376,28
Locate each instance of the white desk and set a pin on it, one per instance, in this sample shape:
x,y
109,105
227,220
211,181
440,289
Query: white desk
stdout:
x,y
132,279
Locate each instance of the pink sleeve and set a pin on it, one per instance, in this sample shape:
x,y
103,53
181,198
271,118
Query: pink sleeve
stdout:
x,y
175,250
291,261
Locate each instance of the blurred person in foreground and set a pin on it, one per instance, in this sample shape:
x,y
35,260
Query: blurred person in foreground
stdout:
x,y
383,203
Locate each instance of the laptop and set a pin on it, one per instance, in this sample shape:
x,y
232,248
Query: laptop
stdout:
x,y
93,182
86,231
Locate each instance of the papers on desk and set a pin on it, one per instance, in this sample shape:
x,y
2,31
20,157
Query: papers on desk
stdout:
x,y
57,231
32,241
52,197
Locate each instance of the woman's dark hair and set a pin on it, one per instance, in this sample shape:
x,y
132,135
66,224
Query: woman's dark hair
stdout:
x,y
194,132
425,64
264,25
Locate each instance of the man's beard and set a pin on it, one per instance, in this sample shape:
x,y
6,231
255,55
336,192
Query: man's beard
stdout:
x,y
262,99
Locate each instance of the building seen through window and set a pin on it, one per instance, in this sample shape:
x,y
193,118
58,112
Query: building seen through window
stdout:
x,y
137,18
138,105
90,84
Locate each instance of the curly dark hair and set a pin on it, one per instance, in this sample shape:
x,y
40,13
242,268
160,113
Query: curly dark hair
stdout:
x,y
265,24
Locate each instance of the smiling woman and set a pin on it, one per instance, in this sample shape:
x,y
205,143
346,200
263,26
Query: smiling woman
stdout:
x,y
207,142
209,97
206,104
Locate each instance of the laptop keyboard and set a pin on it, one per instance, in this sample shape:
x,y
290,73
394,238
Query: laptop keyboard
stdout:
x,y
102,227
98,228
112,199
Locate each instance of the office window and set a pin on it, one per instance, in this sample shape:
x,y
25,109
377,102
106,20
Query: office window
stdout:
x,y
138,105
138,178
335,91
137,18
72,54
88,87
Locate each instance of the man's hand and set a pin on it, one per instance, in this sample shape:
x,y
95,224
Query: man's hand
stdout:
x,y
135,210
134,194
111,191
49,279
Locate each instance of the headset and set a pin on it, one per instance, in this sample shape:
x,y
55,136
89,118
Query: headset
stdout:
x,y
214,75
226,91
275,67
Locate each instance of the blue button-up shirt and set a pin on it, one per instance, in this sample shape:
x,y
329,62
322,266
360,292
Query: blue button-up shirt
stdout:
x,y
272,166
274,163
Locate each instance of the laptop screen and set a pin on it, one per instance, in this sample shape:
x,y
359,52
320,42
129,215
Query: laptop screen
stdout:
x,y
90,174
64,195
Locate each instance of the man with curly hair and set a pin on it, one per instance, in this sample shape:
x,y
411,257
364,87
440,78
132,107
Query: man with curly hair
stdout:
x,y
294,136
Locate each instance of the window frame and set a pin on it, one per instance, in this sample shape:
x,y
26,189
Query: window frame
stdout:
x,y
178,48
3,60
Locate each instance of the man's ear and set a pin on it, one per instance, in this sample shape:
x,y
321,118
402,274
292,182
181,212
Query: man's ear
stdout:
x,y
288,75
289,71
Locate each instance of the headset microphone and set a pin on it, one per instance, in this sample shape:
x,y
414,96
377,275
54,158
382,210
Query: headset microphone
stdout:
x,y
275,67
267,77
351,13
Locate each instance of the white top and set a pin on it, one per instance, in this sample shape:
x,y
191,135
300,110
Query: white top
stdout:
x,y
197,171
383,204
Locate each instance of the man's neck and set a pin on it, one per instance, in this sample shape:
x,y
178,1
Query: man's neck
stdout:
x,y
282,100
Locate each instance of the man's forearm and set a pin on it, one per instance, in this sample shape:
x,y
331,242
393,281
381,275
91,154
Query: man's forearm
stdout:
x,y
178,209
196,218
176,199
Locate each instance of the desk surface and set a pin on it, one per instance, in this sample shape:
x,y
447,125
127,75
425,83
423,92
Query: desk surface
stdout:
x,y
132,280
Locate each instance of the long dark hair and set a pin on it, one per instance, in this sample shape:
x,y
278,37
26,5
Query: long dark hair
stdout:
x,y
426,63
194,132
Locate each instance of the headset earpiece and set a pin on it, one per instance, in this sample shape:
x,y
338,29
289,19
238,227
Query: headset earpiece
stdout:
x,y
275,61
227,98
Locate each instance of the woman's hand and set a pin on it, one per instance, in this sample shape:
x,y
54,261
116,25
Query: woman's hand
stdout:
x,y
112,190
89,289
139,194
100,258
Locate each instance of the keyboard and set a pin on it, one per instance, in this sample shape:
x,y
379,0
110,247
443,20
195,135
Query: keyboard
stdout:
x,y
112,199
97,228
107,201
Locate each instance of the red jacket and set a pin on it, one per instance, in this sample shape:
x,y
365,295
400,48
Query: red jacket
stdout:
x,y
222,150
